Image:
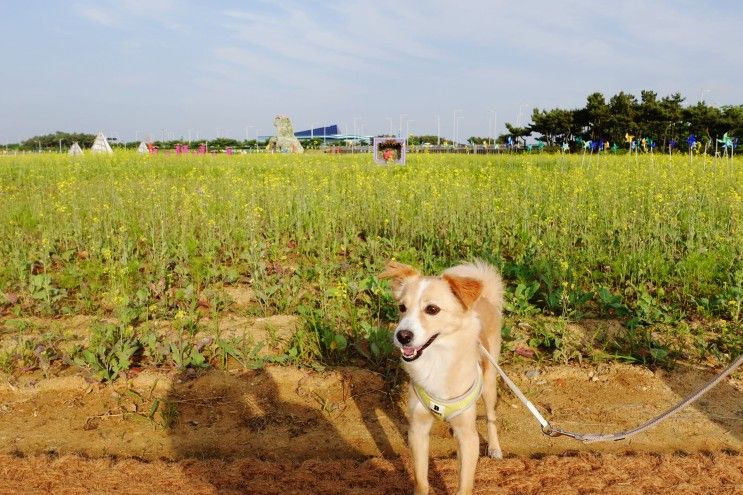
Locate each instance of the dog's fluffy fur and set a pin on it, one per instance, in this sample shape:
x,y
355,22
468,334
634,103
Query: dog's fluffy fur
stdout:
x,y
441,322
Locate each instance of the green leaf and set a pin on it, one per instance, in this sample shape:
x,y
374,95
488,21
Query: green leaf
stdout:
x,y
153,408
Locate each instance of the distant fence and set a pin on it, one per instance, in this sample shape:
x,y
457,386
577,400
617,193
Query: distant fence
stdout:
x,y
462,149
361,149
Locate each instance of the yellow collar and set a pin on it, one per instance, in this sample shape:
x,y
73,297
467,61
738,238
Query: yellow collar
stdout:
x,y
447,409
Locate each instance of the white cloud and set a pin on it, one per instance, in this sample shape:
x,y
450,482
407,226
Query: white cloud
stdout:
x,y
110,13
97,15
268,70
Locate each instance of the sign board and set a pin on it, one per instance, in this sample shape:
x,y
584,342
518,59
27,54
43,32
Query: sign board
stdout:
x,y
389,150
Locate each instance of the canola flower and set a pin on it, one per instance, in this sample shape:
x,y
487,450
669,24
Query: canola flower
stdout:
x,y
620,222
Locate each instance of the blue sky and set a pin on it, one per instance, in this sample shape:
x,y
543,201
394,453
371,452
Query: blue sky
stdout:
x,y
139,68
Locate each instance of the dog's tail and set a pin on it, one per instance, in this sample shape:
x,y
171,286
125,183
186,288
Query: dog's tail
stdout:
x,y
492,284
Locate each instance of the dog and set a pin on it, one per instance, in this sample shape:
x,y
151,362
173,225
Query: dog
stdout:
x,y
442,322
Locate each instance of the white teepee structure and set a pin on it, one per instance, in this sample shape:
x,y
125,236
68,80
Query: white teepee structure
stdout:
x,y
75,150
100,145
143,148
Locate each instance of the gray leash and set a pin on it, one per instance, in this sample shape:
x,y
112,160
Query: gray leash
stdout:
x,y
552,431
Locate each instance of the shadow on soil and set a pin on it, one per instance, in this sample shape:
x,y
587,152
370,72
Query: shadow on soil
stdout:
x,y
285,417
723,404
275,420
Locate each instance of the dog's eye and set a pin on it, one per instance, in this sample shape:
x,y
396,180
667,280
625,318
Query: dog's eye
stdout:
x,y
432,309
402,308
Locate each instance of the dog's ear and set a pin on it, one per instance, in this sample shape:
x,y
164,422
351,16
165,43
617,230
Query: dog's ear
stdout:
x,y
397,273
467,290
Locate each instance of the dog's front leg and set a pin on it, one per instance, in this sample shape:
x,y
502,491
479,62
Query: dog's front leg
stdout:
x,y
465,430
418,439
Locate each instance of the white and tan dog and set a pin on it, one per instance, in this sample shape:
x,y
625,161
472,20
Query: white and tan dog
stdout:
x,y
442,320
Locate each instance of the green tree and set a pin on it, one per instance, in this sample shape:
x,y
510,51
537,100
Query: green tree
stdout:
x,y
731,120
595,117
671,118
556,125
517,133
622,115
53,141
479,140
702,120
425,139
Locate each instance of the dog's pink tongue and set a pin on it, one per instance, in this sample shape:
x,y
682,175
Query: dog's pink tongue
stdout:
x,y
408,351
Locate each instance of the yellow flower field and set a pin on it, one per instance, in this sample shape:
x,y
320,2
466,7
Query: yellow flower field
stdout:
x,y
649,237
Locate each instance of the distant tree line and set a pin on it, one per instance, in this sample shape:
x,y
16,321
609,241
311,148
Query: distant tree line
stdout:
x,y
56,140
63,140
426,139
661,119
218,144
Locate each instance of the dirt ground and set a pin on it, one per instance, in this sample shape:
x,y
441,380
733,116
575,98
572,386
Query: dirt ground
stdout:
x,y
583,473
290,430
297,430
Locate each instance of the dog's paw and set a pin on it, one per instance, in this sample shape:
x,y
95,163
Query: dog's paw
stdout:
x,y
495,453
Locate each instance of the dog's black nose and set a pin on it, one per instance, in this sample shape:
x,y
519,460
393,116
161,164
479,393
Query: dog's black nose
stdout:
x,y
404,336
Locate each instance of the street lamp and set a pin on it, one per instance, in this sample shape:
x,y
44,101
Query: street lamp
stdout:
x,y
355,131
401,116
518,120
454,127
407,128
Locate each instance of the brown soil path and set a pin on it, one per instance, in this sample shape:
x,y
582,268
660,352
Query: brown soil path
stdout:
x,y
290,430
291,414
719,474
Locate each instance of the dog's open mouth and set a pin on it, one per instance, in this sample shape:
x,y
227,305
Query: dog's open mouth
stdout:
x,y
410,353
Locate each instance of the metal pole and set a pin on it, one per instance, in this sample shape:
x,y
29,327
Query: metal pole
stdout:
x,y
458,119
518,120
456,128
